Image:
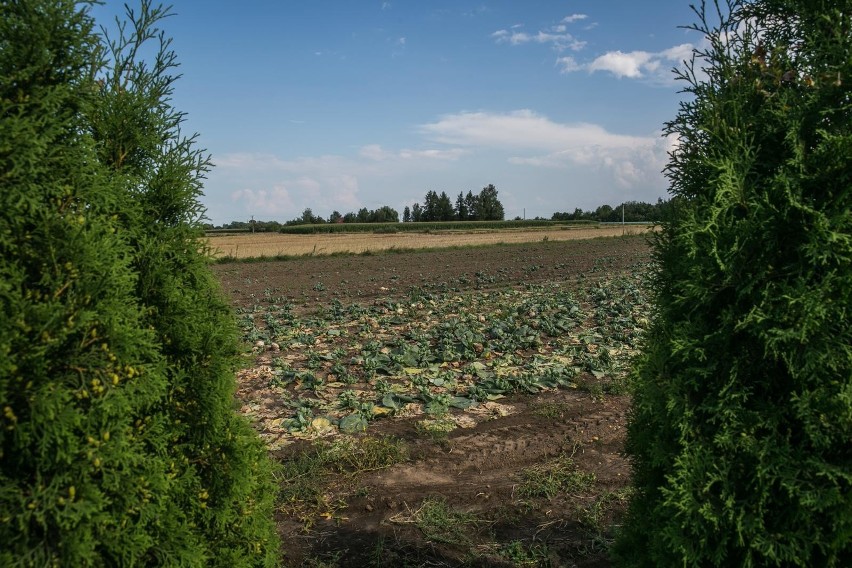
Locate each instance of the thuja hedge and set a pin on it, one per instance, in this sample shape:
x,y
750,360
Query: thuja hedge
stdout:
x,y
119,443
425,226
741,433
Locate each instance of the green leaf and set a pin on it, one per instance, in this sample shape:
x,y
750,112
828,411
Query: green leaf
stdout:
x,y
353,423
462,402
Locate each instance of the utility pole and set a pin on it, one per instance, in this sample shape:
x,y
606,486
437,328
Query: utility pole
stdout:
x,y
622,219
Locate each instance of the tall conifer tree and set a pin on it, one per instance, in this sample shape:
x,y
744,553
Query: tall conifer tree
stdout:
x,y
742,414
119,442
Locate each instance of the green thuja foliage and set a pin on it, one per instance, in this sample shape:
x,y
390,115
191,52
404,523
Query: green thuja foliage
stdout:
x,y
741,433
224,482
81,378
119,443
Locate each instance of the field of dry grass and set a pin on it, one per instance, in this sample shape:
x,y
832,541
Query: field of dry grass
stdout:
x,y
276,244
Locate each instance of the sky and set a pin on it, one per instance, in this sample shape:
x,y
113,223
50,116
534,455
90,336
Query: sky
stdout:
x,y
336,105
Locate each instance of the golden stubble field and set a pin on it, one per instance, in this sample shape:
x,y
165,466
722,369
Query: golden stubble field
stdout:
x,y
277,244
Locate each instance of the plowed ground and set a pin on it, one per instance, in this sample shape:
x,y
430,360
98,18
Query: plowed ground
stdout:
x,y
531,480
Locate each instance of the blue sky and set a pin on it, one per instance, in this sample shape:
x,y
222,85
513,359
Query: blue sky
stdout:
x,y
343,104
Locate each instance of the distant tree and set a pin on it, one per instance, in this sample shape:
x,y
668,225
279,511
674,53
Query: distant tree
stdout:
x,y
471,203
406,214
307,217
444,208
431,207
604,213
335,217
489,207
384,214
742,400
350,218
460,209
363,215
417,213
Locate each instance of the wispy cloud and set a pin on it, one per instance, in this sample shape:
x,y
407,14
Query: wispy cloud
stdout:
x,y
556,36
378,154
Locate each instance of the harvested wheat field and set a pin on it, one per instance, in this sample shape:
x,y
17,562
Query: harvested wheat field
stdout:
x,y
277,244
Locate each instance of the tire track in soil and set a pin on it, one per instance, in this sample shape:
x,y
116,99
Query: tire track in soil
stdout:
x,y
484,462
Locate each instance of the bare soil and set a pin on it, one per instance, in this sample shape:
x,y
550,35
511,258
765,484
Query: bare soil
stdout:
x,y
311,281
479,471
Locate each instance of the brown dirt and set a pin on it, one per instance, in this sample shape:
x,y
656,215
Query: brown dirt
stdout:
x,y
477,470
313,280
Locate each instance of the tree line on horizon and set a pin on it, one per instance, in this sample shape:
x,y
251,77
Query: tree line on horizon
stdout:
x,y
629,212
470,207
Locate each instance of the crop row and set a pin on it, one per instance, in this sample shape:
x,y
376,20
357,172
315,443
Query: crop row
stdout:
x,y
439,354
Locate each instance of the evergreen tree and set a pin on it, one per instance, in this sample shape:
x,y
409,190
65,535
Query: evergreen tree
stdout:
x,y
406,214
417,213
461,208
430,207
471,203
119,443
444,208
742,416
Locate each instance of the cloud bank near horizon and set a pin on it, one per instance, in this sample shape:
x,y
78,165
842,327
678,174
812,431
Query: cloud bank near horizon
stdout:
x,y
515,145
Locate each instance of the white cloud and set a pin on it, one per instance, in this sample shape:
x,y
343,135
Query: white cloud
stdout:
x,y
621,64
267,185
574,18
457,152
678,53
272,201
519,129
568,64
535,140
655,67
292,196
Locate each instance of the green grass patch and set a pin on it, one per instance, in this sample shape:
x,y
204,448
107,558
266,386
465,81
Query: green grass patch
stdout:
x,y
308,479
551,479
550,410
524,554
440,522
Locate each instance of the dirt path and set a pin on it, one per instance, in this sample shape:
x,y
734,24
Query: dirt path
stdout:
x,y
522,480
